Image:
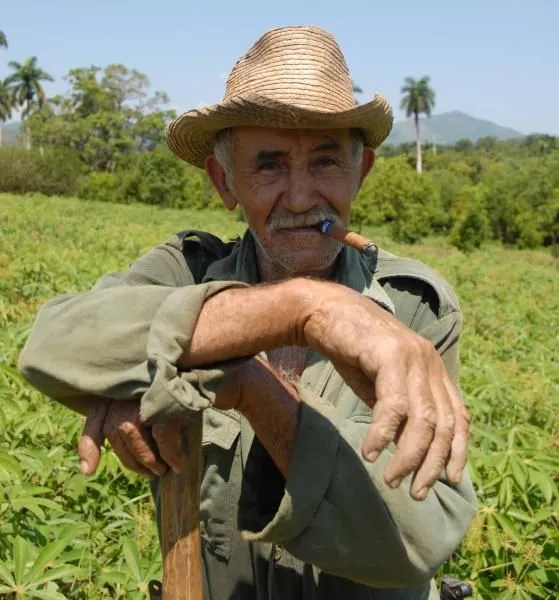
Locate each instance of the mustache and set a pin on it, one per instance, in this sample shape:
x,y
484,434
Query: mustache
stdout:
x,y
312,218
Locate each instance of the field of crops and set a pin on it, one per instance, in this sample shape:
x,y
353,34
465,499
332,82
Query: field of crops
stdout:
x,y
65,536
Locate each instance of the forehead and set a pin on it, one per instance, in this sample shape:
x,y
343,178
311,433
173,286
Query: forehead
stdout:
x,y
255,138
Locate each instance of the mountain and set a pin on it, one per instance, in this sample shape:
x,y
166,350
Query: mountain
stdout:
x,y
448,128
10,132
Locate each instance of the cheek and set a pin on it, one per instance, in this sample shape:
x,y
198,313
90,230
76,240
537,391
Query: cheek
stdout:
x,y
338,190
258,200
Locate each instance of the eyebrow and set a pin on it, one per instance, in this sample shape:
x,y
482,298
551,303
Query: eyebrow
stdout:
x,y
264,155
329,144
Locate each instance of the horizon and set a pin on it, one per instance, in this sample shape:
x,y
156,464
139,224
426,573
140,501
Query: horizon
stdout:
x,y
489,61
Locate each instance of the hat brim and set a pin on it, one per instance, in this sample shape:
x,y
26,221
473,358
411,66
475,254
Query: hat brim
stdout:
x,y
191,136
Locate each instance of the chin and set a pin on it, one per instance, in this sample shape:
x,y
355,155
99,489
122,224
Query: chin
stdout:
x,y
297,264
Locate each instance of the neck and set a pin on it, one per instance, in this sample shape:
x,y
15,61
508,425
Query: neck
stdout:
x,y
270,272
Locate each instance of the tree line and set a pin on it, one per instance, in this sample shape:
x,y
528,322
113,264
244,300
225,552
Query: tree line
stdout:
x,y
103,139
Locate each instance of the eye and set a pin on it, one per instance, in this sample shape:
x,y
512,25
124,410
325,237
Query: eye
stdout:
x,y
269,165
326,161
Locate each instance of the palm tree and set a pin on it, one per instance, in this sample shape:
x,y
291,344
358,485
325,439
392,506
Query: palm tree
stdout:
x,y
3,40
356,90
25,84
6,106
418,98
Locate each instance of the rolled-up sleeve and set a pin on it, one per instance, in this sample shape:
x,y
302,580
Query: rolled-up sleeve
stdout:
x,y
338,513
122,340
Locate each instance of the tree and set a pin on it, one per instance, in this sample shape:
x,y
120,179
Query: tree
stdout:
x,y
418,98
6,106
3,40
106,116
25,84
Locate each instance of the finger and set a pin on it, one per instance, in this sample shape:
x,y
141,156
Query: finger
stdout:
x,y
359,383
389,411
417,432
459,449
439,450
91,440
169,438
138,441
125,456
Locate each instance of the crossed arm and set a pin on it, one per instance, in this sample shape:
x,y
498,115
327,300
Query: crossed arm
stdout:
x,y
392,369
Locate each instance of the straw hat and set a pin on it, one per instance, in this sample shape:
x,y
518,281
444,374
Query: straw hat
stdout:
x,y
292,77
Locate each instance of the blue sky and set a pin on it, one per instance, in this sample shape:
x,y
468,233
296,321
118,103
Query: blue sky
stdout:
x,y
493,59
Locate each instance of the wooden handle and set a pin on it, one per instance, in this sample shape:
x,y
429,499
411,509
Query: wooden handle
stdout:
x,y
180,522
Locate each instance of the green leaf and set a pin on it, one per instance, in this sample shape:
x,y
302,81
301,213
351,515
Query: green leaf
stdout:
x,y
47,555
507,526
545,484
20,549
492,534
518,472
131,556
5,574
9,467
61,572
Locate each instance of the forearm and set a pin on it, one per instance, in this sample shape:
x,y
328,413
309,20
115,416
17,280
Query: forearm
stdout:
x,y
243,322
271,405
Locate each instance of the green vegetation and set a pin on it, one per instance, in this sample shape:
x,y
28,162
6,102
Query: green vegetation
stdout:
x,y
104,140
65,536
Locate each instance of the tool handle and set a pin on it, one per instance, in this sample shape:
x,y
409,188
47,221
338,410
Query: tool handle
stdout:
x,y
180,521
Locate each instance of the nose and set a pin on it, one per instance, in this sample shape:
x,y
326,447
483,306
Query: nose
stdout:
x,y
301,194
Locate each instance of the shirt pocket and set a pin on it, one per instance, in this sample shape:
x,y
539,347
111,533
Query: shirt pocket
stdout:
x,y
220,481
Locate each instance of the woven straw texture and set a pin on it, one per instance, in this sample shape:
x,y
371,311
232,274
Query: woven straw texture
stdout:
x,y
291,78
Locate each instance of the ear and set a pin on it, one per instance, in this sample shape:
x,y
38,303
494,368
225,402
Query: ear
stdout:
x,y
366,163
218,177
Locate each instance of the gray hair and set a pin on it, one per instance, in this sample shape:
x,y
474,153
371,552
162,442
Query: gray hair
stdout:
x,y
225,144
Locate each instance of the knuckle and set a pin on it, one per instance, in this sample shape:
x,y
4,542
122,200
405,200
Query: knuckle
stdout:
x,y
448,423
385,435
397,407
428,415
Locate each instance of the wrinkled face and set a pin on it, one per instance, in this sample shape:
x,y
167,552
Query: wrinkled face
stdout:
x,y
286,181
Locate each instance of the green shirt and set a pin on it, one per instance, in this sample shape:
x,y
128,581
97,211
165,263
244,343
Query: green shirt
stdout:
x,y
333,529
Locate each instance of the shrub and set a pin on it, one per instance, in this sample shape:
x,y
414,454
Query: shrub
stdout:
x,y
103,187
471,223
51,172
395,194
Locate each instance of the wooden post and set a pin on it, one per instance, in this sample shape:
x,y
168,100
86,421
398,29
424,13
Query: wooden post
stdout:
x,y
180,521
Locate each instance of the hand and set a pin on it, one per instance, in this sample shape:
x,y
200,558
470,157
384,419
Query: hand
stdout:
x,y
400,376
149,451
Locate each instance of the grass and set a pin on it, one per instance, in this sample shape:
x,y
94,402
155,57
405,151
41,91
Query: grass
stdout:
x,y
62,536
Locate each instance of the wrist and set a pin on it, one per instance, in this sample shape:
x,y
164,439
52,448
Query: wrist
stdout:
x,y
258,380
315,301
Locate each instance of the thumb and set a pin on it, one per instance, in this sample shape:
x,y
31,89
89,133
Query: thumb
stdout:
x,y
91,440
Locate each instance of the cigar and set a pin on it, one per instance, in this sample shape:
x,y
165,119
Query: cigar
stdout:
x,y
349,238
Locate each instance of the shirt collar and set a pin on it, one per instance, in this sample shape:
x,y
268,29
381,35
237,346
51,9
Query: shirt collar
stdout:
x,y
352,270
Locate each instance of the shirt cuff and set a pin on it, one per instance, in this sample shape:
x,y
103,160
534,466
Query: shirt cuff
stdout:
x,y
310,472
173,391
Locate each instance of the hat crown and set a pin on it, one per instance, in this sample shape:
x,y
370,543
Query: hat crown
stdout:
x,y
301,66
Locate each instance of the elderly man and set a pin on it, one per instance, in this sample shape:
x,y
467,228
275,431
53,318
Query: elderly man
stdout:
x,y
334,435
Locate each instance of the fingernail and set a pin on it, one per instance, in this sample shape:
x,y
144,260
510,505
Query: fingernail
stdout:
x,y
84,467
395,482
372,456
422,494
